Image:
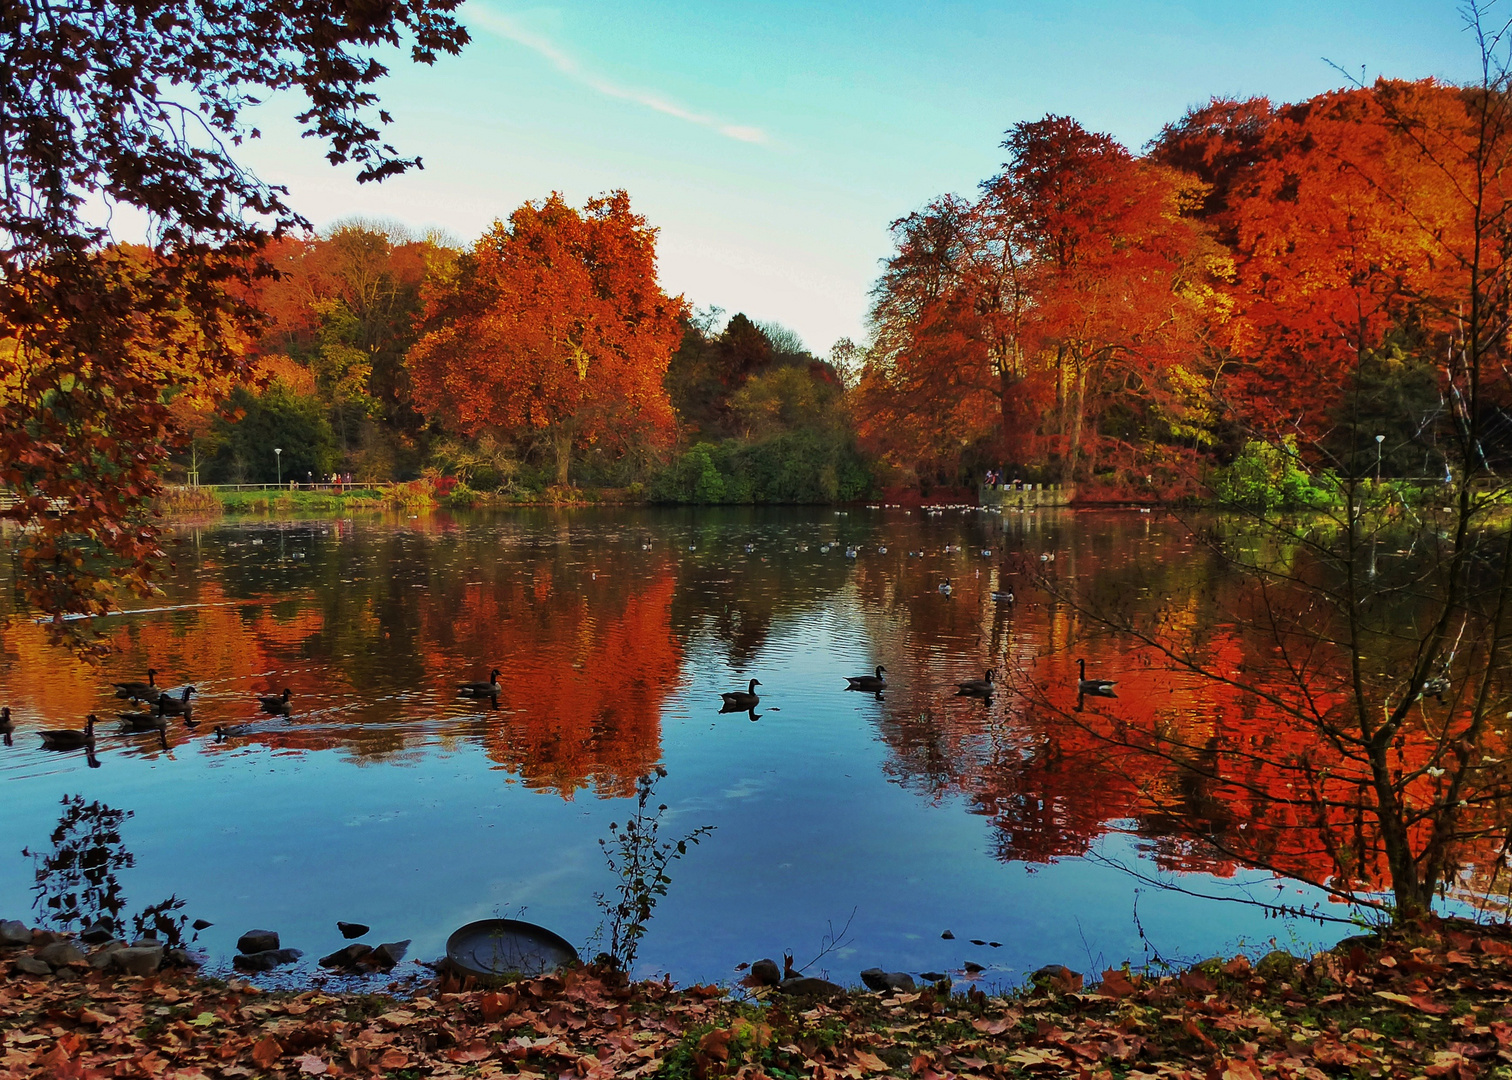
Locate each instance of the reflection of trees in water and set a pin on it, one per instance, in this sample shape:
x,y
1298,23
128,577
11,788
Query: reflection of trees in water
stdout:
x,y
77,882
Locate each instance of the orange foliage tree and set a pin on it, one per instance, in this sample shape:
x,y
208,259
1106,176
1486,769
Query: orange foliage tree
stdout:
x,y
1078,280
553,323
1349,228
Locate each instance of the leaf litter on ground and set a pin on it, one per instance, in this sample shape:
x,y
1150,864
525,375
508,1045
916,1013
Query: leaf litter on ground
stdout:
x,y
1432,1001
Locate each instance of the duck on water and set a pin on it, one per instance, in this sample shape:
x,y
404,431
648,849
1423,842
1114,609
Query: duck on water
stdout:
x,y
481,689
70,738
742,699
981,688
868,682
1093,687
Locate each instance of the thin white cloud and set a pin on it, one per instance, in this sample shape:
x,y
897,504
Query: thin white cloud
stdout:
x,y
505,27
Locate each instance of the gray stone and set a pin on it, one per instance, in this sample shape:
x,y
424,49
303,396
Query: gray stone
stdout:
x,y
808,986
145,941
351,930
883,981
766,973
15,933
99,932
138,960
180,958
390,953
266,960
62,954
202,924
256,941
348,957
932,976
30,965
100,958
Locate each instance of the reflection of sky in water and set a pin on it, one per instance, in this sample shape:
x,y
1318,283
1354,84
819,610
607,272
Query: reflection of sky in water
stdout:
x,y
387,801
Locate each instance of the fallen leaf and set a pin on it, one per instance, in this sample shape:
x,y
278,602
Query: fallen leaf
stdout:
x,y
311,1065
266,1052
870,1061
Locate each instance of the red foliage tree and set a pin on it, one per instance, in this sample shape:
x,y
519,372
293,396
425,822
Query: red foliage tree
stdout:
x,y
553,323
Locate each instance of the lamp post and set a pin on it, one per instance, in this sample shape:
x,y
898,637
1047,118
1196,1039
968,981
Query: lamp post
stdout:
x,y
1379,440
278,457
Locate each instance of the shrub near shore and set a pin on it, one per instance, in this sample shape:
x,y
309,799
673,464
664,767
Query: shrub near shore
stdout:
x,y
1431,1000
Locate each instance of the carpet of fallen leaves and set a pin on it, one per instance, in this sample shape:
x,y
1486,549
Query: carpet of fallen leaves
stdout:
x,y
1431,1001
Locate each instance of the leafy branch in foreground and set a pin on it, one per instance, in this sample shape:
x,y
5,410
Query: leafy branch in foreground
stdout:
x,y
640,859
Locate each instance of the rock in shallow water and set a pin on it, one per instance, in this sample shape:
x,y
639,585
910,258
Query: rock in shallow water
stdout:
x,y
351,930
257,941
349,957
390,953
883,981
808,986
266,960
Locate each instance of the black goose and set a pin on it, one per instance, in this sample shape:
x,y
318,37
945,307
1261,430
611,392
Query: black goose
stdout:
x,y
1094,687
275,703
7,725
868,682
743,699
140,691
481,689
177,706
140,723
70,738
981,688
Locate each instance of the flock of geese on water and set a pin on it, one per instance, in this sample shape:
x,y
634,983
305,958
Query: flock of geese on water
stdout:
x,y
164,704
875,683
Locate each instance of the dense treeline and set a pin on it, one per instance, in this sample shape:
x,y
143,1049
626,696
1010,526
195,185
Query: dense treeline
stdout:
x,y
1260,272
544,354
1261,275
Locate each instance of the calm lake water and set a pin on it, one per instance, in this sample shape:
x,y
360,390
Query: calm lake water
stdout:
x,y
387,799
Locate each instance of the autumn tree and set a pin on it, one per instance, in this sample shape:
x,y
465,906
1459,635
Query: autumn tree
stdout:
x,y
114,105
1362,219
946,366
1124,282
1078,279
553,324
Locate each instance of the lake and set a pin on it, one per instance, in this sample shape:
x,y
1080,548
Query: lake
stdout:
x,y
387,799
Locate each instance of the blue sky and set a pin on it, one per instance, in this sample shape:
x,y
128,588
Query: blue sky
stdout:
x,y
773,142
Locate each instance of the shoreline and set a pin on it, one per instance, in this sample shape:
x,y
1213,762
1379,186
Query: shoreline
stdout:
x,y
1432,1000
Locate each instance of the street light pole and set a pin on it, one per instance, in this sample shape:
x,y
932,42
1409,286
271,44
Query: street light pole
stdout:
x,y
278,457
1379,440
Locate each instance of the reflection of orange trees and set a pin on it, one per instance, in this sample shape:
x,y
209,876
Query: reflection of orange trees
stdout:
x,y
584,674
1245,747
1212,774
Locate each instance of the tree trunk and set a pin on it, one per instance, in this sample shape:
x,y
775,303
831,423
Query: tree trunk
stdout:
x,y
1075,405
561,441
